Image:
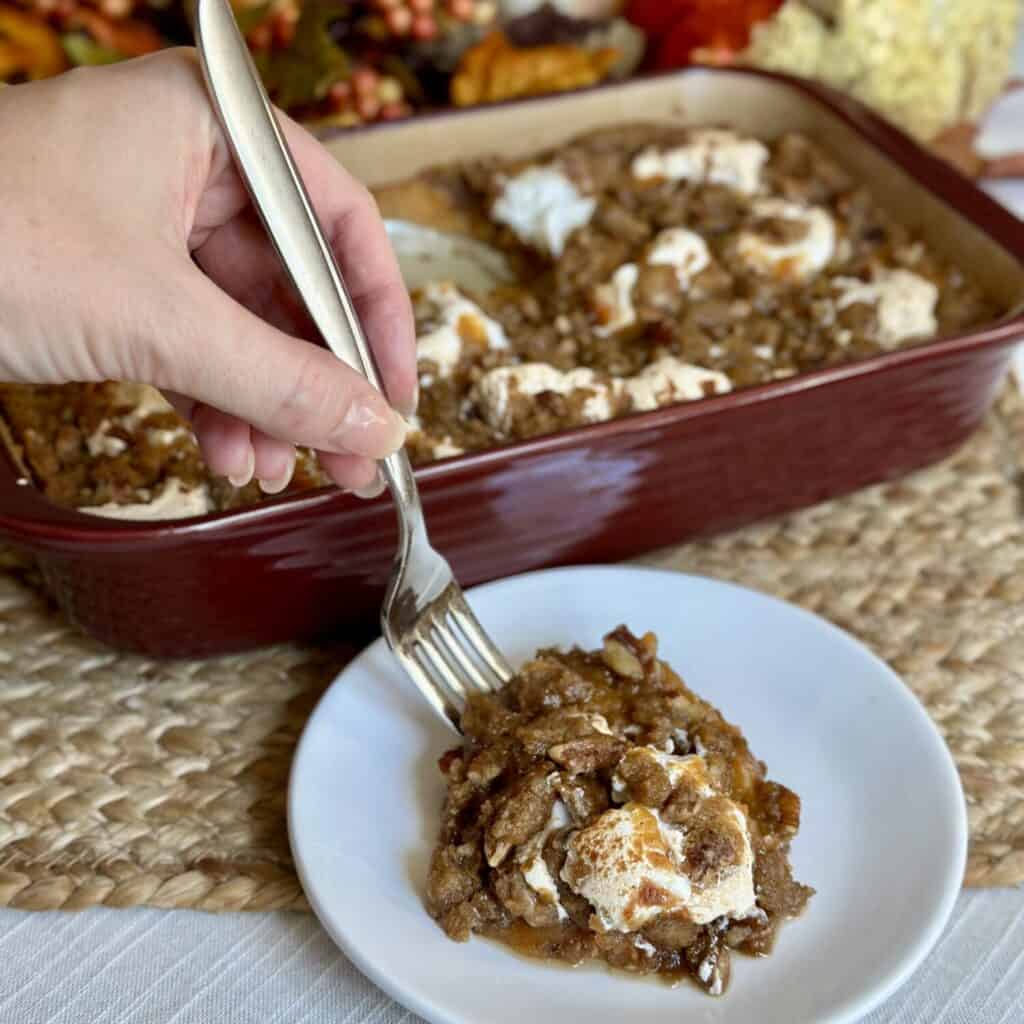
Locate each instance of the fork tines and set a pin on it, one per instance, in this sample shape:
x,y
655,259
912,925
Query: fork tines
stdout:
x,y
449,654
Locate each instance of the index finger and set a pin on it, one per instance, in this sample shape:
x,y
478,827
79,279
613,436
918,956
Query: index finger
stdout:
x,y
356,234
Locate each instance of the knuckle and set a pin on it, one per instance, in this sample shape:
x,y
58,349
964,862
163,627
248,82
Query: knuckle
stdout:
x,y
316,402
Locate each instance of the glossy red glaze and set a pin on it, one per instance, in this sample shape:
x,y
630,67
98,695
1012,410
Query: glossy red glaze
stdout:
x,y
303,566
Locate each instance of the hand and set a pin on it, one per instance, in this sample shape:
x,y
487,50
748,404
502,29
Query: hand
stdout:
x,y
131,252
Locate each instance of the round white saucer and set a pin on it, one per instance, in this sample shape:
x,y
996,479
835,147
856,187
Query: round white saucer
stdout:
x,y
883,838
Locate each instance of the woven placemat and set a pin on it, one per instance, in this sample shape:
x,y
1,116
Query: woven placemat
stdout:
x,y
125,781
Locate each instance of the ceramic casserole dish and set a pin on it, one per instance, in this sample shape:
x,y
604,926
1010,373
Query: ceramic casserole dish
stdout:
x,y
305,565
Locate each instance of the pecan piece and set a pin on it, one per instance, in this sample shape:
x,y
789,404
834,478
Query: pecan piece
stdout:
x,y
522,813
646,781
587,754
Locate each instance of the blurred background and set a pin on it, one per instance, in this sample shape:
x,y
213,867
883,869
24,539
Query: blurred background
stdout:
x,y
935,67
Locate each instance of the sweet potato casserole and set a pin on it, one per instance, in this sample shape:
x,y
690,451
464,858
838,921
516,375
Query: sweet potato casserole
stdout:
x,y
653,265
600,810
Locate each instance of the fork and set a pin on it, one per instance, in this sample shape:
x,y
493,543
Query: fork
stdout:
x,y
425,617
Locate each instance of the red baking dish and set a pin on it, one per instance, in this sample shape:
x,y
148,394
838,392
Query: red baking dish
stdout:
x,y
302,566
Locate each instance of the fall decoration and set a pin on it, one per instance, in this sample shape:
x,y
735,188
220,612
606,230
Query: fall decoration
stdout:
x,y
494,69
927,65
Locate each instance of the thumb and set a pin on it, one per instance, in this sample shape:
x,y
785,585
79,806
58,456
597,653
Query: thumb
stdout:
x,y
219,353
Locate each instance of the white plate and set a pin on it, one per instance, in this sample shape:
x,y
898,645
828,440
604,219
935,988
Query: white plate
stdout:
x,y
884,828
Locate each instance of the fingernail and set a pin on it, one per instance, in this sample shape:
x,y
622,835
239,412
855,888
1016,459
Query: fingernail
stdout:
x,y
241,479
371,428
408,409
374,489
278,484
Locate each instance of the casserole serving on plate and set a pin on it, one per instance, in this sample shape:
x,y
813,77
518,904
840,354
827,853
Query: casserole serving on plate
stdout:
x,y
302,564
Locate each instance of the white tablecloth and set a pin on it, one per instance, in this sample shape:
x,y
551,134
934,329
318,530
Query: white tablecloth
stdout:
x,y
177,967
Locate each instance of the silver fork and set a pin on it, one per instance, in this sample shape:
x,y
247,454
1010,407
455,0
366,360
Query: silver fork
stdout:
x,y
425,617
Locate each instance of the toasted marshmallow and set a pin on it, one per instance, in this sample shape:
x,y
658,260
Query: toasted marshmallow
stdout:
x,y
661,383
789,261
495,389
689,769
685,251
669,380
100,441
165,438
461,326
447,449
904,303
543,207
173,502
730,891
614,300
145,401
715,156
532,864
623,866
442,448
631,867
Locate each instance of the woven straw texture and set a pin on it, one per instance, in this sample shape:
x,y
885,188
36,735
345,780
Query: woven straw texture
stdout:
x,y
125,781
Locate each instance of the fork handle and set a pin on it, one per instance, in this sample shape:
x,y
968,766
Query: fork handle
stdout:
x,y
268,170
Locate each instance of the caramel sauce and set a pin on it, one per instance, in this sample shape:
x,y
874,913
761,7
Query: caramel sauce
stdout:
x,y
545,944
